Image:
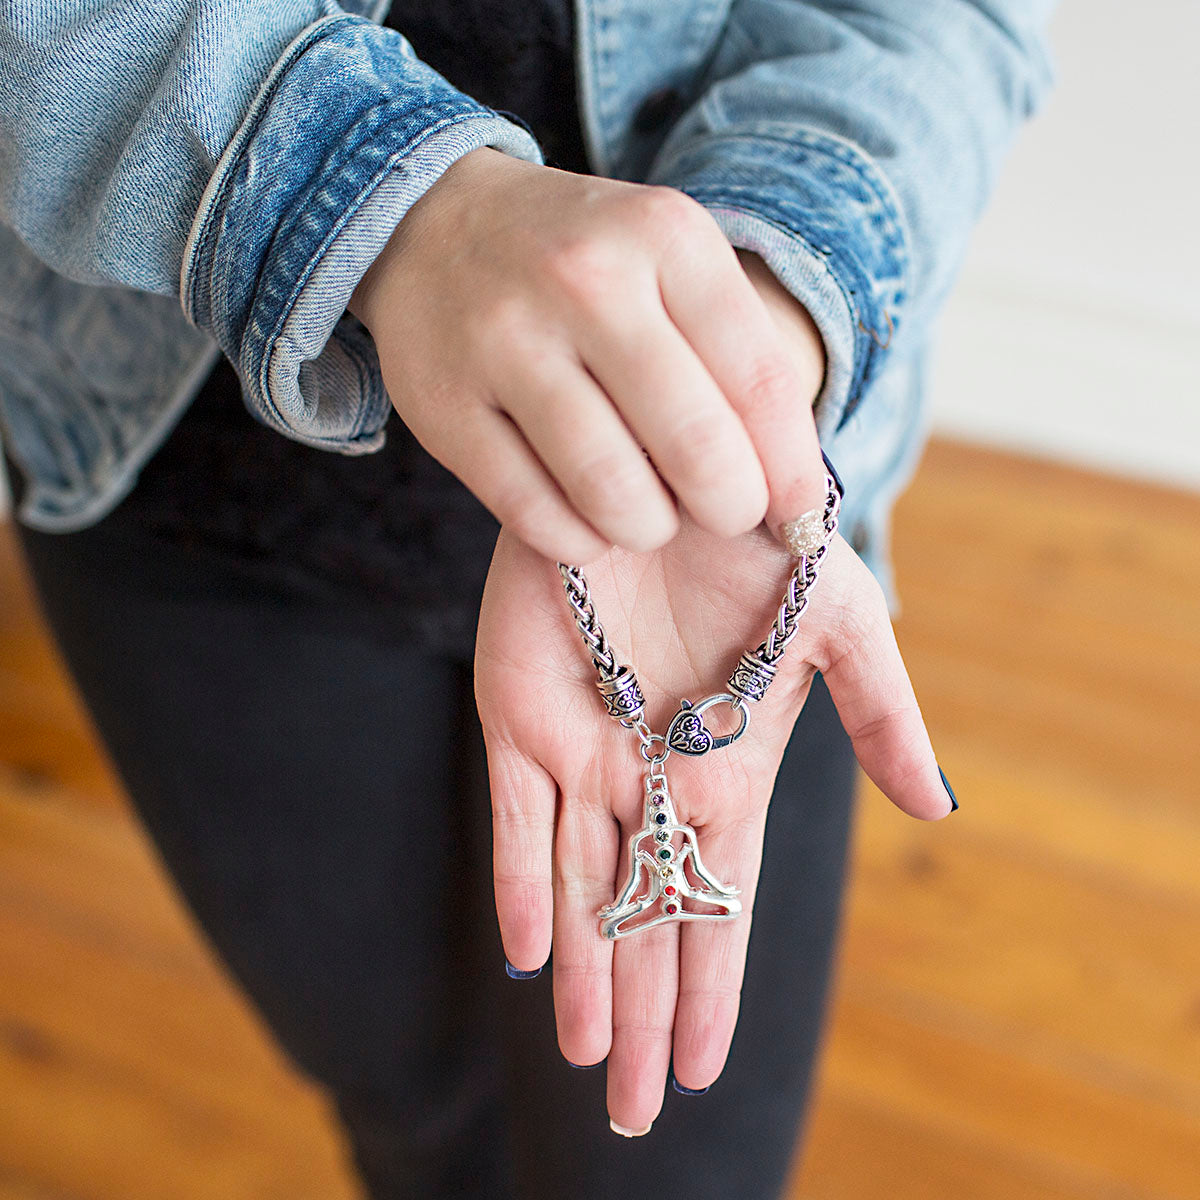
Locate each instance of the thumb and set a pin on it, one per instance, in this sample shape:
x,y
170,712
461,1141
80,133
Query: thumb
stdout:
x,y
780,420
877,705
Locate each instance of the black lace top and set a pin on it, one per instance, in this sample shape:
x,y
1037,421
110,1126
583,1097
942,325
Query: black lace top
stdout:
x,y
390,539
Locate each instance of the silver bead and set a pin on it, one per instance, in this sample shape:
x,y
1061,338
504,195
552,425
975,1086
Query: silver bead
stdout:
x,y
751,677
622,695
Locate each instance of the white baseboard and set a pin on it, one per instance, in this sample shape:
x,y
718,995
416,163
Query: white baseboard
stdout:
x,y
1050,376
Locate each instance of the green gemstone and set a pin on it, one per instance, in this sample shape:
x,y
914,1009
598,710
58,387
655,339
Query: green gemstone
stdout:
x,y
665,852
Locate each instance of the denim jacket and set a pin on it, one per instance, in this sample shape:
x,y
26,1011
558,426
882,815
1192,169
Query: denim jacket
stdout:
x,y
188,177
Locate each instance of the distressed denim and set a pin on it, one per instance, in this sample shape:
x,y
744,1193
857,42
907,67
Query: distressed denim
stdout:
x,y
202,176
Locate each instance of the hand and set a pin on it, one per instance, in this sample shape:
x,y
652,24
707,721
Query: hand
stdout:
x,y
567,789
537,328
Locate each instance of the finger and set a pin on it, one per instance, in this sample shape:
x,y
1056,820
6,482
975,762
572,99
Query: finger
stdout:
x,y
712,957
771,378
675,409
490,455
583,442
878,708
645,984
586,847
523,805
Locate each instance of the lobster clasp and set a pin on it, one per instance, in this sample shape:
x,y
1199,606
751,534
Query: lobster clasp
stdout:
x,y
686,733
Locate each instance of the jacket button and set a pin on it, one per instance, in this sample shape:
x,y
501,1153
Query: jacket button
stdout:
x,y
657,109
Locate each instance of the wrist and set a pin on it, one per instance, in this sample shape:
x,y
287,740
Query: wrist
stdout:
x,y
365,300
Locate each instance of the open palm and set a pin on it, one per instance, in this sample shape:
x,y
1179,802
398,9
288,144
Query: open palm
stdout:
x,y
567,789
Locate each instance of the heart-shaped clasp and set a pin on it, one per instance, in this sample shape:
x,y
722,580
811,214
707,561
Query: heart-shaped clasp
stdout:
x,y
686,733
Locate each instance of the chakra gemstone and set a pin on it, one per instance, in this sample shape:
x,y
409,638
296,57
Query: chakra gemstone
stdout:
x,y
665,852
656,799
669,889
661,818
672,908
662,835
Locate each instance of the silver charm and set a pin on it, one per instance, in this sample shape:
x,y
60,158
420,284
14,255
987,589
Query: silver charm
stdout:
x,y
658,883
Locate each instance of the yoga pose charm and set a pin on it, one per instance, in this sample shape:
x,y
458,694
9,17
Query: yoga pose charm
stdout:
x,y
654,849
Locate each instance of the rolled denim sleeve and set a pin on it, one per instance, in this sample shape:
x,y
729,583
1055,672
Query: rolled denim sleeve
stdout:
x,y
250,159
853,146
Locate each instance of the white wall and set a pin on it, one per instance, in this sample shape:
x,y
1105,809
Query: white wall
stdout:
x,y
1074,330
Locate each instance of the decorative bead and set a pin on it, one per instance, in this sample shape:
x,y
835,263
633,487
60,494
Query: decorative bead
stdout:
x,y
661,818
669,889
665,852
672,908
662,835
751,677
622,695
805,535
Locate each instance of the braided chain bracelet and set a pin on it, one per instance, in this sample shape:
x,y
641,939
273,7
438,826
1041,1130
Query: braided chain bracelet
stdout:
x,y
664,845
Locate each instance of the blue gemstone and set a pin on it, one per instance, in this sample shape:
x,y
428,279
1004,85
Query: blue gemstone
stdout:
x,y
661,818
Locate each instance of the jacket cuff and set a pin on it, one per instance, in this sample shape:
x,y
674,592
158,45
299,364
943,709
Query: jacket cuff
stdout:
x,y
821,215
349,131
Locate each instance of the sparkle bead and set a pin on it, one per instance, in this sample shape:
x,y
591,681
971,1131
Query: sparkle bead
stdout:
x,y
661,818
669,889
672,908
665,852
805,535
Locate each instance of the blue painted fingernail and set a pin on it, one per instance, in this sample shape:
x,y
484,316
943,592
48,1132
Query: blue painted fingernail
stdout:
x,y
515,974
837,482
687,1091
949,790
584,1066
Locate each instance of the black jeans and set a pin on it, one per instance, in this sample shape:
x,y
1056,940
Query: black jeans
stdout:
x,y
320,795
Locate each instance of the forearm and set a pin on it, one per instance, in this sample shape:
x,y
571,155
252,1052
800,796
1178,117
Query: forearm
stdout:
x,y
251,160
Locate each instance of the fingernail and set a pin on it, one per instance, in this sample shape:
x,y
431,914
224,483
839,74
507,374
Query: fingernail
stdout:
x,y
515,974
949,790
629,1132
687,1091
837,482
584,1066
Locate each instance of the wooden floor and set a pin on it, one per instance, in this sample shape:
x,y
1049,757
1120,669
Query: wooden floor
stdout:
x,y
1017,1009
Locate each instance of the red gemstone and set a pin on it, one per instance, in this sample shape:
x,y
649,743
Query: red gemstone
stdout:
x,y
672,908
669,889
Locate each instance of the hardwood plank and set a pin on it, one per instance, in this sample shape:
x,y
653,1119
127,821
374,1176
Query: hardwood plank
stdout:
x,y
1018,1001
45,736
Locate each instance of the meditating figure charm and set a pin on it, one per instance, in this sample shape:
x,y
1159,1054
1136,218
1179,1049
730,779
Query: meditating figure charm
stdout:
x,y
665,869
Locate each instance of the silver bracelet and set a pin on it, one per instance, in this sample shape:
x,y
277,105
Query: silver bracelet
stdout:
x,y
664,846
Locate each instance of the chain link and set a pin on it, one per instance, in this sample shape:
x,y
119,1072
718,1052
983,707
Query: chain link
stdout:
x,y
795,598
580,600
